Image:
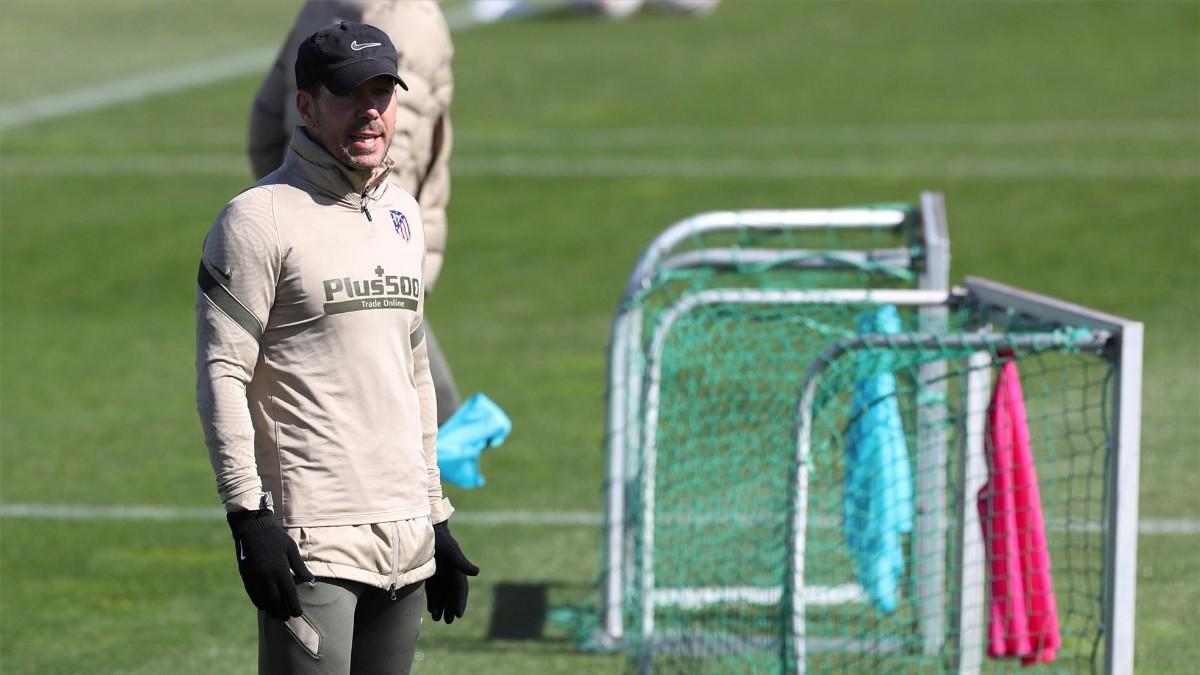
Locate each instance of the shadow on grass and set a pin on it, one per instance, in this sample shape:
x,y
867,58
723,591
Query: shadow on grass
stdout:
x,y
518,611
551,616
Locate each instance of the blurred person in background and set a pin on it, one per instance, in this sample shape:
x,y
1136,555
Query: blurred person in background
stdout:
x,y
422,142
495,10
314,387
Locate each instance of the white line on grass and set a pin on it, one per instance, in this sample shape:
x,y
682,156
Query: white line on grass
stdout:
x,y
86,512
851,135
160,82
855,167
528,166
134,88
1153,526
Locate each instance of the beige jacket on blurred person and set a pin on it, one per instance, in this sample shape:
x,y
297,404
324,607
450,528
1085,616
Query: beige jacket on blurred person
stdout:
x,y
421,145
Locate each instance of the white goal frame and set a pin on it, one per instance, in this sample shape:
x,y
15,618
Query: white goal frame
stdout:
x,y
1121,340
625,382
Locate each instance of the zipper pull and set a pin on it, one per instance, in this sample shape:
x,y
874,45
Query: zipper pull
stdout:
x,y
362,203
392,588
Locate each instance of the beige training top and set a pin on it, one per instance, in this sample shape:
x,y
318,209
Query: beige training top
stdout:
x,y
313,382
422,142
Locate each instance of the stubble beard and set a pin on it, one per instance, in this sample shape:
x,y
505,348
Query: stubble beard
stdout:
x,y
363,162
339,147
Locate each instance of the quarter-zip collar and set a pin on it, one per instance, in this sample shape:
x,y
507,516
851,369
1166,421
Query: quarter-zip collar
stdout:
x,y
326,175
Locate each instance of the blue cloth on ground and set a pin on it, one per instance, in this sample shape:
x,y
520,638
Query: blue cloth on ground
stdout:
x,y
878,500
476,425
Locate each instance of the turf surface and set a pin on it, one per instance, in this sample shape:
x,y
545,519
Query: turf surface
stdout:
x,y
1065,136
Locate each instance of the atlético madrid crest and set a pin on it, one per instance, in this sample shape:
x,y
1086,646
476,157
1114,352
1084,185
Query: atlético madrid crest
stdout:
x,y
401,224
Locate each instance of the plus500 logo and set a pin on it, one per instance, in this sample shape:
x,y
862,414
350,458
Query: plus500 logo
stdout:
x,y
384,286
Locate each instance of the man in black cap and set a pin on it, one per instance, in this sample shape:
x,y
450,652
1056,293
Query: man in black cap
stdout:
x,y
313,382
423,140
356,63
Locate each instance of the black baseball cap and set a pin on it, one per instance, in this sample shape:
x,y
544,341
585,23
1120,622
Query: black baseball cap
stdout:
x,y
344,55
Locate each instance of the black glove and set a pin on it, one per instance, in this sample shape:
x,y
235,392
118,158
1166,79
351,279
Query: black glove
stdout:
x,y
446,590
267,558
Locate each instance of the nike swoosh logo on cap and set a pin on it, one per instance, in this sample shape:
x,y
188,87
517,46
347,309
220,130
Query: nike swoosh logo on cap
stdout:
x,y
358,48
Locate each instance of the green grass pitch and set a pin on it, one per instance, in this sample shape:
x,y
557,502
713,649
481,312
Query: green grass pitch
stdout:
x,y
1065,136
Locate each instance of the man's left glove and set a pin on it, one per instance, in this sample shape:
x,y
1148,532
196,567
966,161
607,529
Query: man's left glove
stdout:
x,y
269,562
446,590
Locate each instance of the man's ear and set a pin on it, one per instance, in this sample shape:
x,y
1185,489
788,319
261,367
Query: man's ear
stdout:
x,y
306,105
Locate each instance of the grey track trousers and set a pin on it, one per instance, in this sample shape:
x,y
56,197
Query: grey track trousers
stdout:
x,y
348,628
444,387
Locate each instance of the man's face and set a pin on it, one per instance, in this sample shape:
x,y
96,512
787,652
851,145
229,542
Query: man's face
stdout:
x,y
356,128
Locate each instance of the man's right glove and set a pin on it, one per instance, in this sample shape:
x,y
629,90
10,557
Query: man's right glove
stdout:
x,y
446,590
267,559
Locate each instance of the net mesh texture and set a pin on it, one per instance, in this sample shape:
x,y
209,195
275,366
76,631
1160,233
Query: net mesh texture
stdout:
x,y
711,509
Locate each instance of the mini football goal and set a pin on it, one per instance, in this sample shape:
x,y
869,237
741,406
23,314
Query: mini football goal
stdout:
x,y
807,465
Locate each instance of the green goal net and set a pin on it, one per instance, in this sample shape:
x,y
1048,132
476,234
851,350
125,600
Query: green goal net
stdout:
x,y
807,461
